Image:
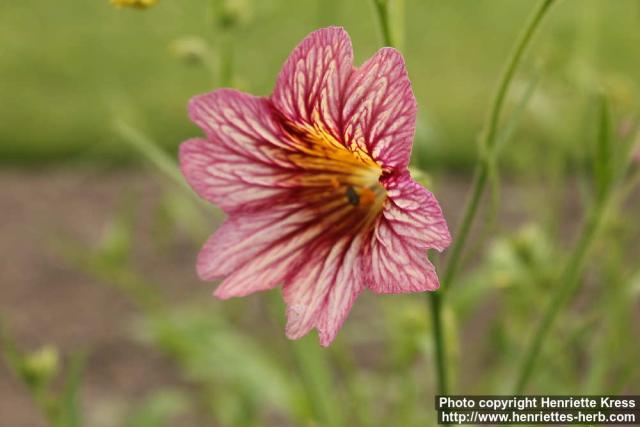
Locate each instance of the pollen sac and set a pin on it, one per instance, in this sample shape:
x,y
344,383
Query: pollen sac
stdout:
x,y
352,196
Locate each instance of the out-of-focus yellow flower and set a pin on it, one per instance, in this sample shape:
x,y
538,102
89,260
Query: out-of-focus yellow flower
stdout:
x,y
232,13
138,4
39,367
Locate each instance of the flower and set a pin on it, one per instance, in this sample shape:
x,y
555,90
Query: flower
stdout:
x,y
315,183
138,4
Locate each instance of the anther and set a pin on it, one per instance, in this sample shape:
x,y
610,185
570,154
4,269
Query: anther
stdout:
x,y
352,196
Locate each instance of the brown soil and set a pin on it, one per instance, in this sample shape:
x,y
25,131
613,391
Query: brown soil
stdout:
x,y
45,300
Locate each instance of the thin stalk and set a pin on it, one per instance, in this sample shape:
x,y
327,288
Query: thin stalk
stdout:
x,y
630,186
605,200
439,342
152,152
382,11
225,59
569,285
488,155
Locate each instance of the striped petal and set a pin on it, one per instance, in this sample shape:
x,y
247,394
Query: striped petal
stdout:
x,y
322,292
283,245
308,89
411,222
240,165
257,251
379,112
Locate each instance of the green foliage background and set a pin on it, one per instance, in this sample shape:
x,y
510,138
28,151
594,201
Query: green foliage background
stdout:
x,y
68,68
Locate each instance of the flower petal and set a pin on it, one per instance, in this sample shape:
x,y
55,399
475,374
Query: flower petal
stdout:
x,y
309,87
379,112
259,250
238,167
256,251
322,292
411,222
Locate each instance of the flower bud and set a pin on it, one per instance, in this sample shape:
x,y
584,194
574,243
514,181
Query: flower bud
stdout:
x,y
39,367
190,49
136,4
232,13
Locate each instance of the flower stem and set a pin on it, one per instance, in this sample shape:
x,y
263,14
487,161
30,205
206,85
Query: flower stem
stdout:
x,y
488,142
487,160
439,342
382,11
608,179
151,151
568,287
225,59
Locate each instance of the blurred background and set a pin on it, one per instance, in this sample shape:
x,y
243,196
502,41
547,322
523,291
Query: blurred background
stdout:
x,y
104,322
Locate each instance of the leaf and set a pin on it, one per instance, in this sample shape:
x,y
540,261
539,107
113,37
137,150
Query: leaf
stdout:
x,y
68,401
159,409
603,156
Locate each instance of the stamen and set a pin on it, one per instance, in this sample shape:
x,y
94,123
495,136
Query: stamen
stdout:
x,y
335,177
352,196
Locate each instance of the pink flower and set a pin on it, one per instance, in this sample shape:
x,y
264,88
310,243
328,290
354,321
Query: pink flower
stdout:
x,y
314,180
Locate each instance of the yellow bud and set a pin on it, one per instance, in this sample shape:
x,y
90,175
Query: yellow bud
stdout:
x,y
40,366
137,4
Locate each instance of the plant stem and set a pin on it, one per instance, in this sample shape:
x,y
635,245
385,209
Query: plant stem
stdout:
x,y
605,199
225,59
382,11
151,151
568,286
439,342
487,160
488,153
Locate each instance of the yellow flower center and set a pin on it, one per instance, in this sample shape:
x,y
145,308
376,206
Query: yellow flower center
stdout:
x,y
337,179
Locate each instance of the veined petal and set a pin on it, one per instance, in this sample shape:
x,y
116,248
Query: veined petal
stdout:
x,y
243,123
230,179
322,292
256,251
379,113
411,222
240,239
260,250
259,253
239,167
309,88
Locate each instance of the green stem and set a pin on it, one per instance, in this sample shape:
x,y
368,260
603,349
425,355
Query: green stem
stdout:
x,y
488,142
455,255
488,156
606,200
382,11
568,287
226,61
439,341
151,151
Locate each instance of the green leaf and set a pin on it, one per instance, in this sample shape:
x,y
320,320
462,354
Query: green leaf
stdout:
x,y
68,401
603,156
160,409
